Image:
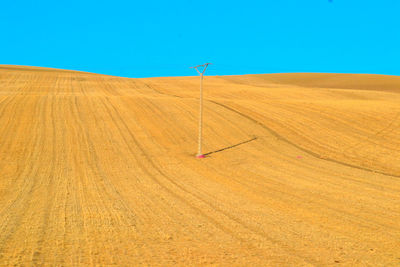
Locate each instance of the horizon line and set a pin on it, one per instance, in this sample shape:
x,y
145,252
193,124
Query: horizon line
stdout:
x,y
4,66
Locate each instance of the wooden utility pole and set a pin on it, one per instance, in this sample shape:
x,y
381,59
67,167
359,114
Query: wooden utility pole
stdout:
x,y
201,73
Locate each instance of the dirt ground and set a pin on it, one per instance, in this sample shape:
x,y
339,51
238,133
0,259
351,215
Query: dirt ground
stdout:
x,y
300,170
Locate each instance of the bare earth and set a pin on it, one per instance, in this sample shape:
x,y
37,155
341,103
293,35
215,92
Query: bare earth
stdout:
x,y
302,169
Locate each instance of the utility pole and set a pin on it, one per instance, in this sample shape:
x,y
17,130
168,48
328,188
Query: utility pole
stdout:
x,y
200,155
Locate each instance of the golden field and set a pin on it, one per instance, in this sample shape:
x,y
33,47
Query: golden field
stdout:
x,y
301,170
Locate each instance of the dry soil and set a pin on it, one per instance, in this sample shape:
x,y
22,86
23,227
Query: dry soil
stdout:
x,y
300,169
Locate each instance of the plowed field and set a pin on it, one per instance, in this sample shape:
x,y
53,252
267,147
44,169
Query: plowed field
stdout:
x,y
300,169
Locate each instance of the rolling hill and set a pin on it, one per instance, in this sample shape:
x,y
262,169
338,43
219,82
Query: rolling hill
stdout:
x,y
300,169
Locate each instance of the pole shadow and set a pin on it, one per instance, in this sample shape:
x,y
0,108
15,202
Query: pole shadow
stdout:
x,y
229,147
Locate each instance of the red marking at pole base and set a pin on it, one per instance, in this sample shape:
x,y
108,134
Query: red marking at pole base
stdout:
x,y
200,156
299,157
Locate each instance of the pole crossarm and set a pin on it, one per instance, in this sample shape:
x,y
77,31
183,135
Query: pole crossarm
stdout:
x,y
198,66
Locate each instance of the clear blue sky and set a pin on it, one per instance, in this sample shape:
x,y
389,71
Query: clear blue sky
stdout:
x,y
163,38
